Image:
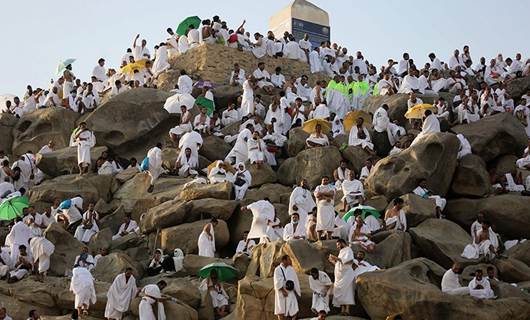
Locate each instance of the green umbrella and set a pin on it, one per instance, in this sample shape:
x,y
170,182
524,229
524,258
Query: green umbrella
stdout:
x,y
224,272
186,23
366,211
201,101
12,208
62,65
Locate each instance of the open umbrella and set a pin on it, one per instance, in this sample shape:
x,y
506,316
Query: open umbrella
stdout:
x,y
351,118
173,103
310,125
12,208
365,211
224,272
186,23
418,111
204,84
130,67
63,65
3,99
204,102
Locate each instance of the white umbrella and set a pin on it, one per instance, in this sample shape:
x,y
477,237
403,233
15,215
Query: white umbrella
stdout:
x,y
177,100
3,99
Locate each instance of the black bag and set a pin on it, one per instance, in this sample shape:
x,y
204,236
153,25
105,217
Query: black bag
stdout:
x,y
289,284
239,181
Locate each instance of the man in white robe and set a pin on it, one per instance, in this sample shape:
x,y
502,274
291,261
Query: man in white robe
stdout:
x,y
344,285
485,243
325,196
353,191
184,83
422,191
88,226
363,266
314,60
465,146
359,136
480,287
20,234
82,286
263,78
120,295
128,226
294,230
85,140
22,266
155,165
302,199
187,163
263,213
161,63
239,152
320,284
431,124
151,294
206,241
245,245
41,249
247,99
450,282
395,218
410,83
286,290
84,260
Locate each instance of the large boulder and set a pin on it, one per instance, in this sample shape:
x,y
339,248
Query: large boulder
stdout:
x,y
174,309
440,240
310,164
508,213
512,270
37,128
433,157
296,141
214,148
109,266
411,290
185,236
356,156
261,175
520,252
66,249
7,123
132,122
417,209
517,87
64,161
167,214
193,263
91,187
277,193
200,191
210,207
495,136
471,179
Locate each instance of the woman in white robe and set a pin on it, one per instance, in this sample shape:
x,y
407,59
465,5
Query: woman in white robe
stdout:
x,y
343,287
120,295
242,182
41,249
206,241
359,136
82,285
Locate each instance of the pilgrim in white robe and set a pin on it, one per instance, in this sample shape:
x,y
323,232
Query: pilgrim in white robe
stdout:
x,y
206,244
321,288
465,146
41,250
409,84
119,296
242,182
288,306
256,148
353,191
325,210
315,62
343,287
293,231
399,220
451,284
83,146
485,293
262,213
370,225
475,250
354,139
130,228
265,76
247,99
183,44
161,63
363,266
431,124
218,294
84,235
155,163
82,285
321,140
5,261
424,193
240,150
150,293
19,235
260,48
185,84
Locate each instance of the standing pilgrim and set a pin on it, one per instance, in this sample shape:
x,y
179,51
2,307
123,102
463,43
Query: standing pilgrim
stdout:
x,y
120,295
151,294
206,242
343,287
85,140
41,249
82,285
262,214
286,290
325,195
320,284
154,156
301,201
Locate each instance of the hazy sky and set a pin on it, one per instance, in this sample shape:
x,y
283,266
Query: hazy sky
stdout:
x,y
36,35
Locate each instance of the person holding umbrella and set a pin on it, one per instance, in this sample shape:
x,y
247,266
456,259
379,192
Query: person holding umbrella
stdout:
x,y
219,297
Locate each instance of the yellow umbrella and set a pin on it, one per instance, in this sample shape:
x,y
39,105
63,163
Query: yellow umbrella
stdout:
x,y
310,125
225,165
130,67
351,118
418,111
